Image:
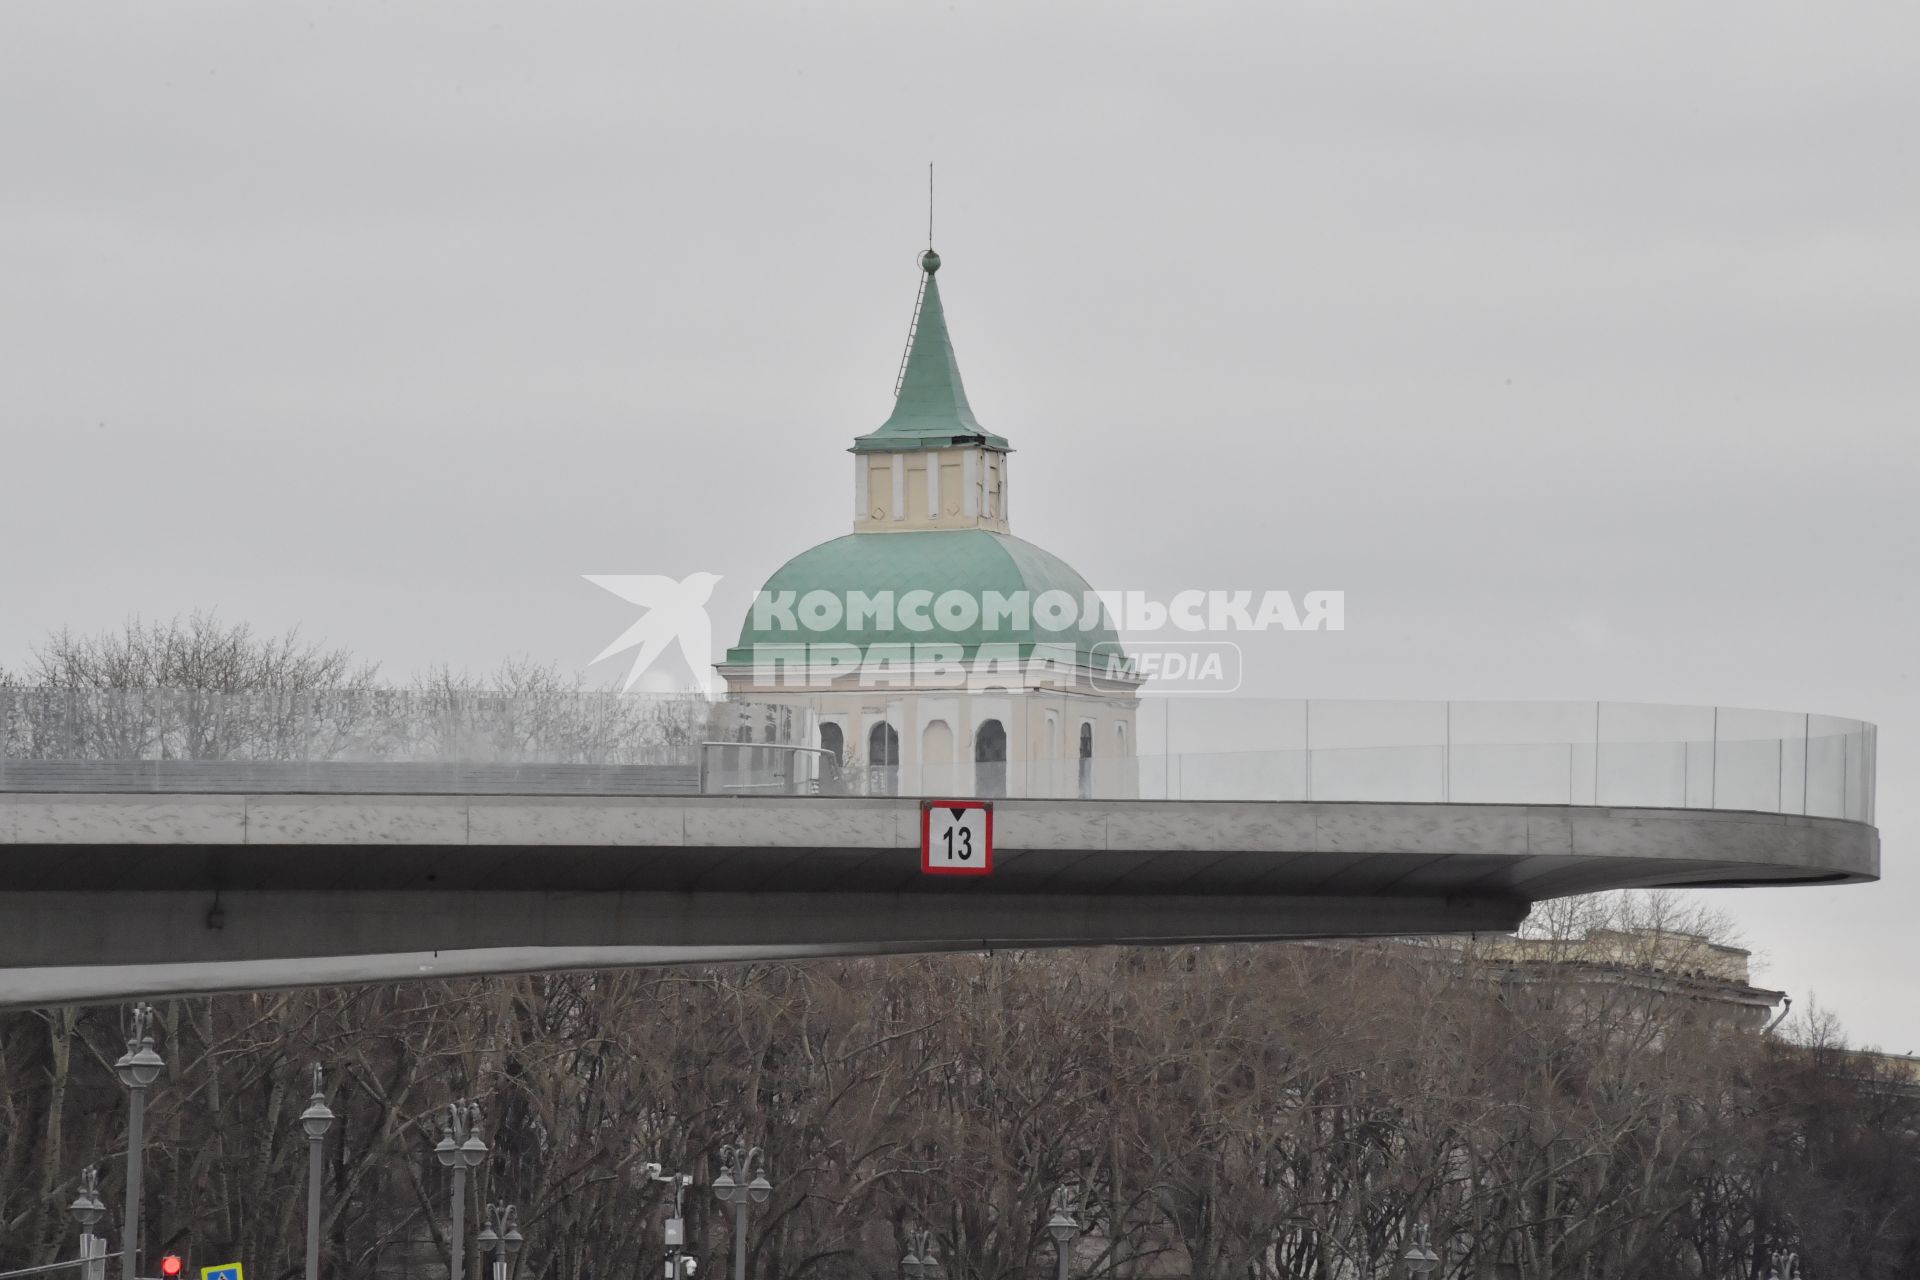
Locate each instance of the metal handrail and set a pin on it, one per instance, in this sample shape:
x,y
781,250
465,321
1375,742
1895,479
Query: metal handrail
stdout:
x,y
831,757
62,1265
402,742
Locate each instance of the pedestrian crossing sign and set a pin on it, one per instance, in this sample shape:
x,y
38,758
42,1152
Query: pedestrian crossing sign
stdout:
x,y
225,1271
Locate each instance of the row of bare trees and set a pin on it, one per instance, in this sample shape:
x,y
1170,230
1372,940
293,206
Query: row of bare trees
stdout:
x,y
197,688
1246,1112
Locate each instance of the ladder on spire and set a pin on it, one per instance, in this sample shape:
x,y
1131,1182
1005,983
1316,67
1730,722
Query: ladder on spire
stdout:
x,y
913,327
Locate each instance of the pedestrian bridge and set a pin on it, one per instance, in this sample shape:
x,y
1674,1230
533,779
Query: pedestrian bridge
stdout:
x,y
187,842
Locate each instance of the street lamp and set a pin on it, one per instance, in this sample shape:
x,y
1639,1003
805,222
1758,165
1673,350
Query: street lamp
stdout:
x,y
500,1236
732,1186
460,1149
1062,1227
1420,1257
316,1120
920,1262
87,1209
138,1067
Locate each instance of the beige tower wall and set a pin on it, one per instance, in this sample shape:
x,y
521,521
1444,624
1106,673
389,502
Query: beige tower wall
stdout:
x,y
892,491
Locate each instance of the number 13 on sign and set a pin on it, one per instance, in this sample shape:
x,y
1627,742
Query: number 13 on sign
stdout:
x,y
956,837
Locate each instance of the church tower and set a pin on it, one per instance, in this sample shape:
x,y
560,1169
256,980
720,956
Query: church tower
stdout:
x,y
869,630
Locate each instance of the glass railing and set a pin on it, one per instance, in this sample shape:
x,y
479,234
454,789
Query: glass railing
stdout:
x,y
868,743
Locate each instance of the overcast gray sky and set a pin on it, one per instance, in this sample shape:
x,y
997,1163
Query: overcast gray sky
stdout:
x,y
1577,347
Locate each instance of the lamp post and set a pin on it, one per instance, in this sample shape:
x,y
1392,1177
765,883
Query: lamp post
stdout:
x,y
500,1236
920,1261
87,1209
316,1120
1420,1257
1063,1228
138,1067
732,1186
459,1149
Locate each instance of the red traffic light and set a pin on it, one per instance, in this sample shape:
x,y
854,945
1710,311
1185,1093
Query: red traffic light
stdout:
x,y
171,1266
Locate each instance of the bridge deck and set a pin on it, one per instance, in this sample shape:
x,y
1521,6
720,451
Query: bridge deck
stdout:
x,y
110,895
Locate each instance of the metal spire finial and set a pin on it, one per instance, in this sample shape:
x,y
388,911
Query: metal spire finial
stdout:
x,y
929,261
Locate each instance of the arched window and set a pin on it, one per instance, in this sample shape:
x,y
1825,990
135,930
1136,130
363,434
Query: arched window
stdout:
x,y
990,759
883,760
1086,760
834,743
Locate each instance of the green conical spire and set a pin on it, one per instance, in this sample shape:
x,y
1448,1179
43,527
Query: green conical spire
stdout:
x,y
931,411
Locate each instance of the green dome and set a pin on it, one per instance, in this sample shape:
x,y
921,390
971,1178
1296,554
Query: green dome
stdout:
x,y
974,562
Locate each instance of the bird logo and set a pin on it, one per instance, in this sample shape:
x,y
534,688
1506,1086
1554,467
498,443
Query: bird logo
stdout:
x,y
676,611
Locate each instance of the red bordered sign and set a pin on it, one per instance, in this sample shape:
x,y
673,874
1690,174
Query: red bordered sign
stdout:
x,y
956,837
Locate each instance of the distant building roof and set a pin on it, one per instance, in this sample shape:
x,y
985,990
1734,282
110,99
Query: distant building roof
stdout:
x,y
1665,951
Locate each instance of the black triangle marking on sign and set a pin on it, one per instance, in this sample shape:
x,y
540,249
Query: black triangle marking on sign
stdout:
x,y
957,815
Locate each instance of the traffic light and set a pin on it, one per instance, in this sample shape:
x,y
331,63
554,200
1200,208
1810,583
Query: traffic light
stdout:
x,y
171,1267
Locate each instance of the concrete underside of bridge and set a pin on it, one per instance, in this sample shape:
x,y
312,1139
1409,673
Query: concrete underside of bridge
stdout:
x,y
108,896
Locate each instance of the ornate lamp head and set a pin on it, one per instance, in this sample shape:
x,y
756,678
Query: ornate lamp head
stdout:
x,y
500,1231
87,1207
743,1175
921,1261
473,1148
318,1117
1420,1257
460,1142
1062,1226
140,1066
